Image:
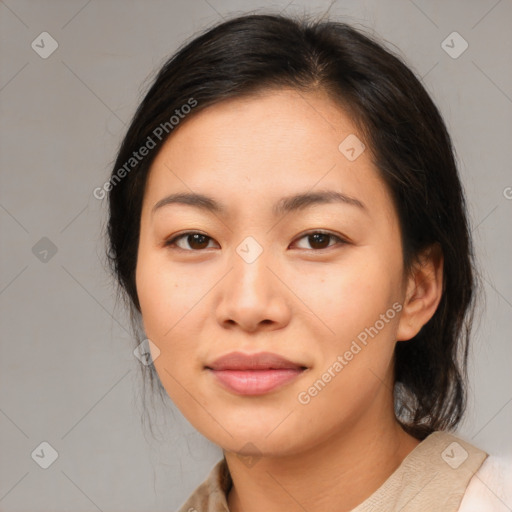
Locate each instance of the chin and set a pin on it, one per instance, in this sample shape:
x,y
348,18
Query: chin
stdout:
x,y
258,436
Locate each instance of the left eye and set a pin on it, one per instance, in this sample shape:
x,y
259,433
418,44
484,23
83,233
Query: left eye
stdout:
x,y
197,241
319,240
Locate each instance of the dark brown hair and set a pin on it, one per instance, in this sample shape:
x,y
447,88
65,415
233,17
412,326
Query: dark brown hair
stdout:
x,y
409,144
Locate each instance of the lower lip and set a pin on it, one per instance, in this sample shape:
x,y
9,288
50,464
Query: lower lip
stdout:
x,y
255,382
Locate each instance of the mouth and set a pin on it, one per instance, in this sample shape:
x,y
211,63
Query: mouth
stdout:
x,y
254,374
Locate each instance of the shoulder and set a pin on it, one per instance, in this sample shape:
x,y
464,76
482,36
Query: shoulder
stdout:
x,y
490,488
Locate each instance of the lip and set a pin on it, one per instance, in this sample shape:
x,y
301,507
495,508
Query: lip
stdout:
x,y
254,374
255,361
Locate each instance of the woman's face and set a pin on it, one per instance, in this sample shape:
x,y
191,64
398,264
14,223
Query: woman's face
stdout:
x,y
256,282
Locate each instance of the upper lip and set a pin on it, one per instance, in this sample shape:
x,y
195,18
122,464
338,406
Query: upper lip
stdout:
x,y
256,361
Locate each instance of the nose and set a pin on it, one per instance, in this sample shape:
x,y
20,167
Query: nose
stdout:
x,y
252,297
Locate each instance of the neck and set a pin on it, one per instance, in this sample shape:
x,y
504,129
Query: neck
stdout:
x,y
336,474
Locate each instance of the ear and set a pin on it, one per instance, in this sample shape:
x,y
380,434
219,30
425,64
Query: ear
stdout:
x,y
424,289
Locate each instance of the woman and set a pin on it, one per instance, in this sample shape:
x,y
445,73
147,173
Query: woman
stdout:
x,y
288,224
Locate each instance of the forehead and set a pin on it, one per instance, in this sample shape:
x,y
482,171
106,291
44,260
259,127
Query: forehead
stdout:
x,y
277,125
271,144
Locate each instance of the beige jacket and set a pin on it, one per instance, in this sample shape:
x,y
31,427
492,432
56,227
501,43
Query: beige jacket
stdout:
x,y
433,477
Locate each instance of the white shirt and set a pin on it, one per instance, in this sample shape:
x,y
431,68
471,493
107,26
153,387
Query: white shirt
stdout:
x,y
490,489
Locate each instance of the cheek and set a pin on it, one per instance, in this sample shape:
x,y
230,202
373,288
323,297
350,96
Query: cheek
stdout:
x,y
167,296
350,296
358,311
172,305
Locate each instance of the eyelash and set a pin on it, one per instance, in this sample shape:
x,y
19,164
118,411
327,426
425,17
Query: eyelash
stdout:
x,y
171,241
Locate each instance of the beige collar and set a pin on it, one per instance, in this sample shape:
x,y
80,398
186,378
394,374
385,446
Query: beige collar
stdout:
x,y
433,477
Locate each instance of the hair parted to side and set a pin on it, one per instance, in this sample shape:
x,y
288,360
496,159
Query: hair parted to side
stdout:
x,y
409,144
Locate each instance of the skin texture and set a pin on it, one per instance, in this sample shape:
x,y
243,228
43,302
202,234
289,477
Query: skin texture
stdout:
x,y
305,303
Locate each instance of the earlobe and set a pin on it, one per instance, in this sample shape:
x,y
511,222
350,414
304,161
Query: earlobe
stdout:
x,y
423,293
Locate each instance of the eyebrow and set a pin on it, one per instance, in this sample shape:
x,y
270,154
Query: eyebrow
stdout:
x,y
284,205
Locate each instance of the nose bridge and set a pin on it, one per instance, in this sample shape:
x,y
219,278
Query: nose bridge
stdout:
x,y
250,295
250,273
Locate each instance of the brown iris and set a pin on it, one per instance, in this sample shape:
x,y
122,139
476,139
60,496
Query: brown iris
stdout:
x,y
319,240
198,241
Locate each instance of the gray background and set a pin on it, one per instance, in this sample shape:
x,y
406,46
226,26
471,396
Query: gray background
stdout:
x,y
67,372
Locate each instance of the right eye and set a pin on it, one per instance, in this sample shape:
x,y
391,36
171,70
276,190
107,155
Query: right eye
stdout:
x,y
196,241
